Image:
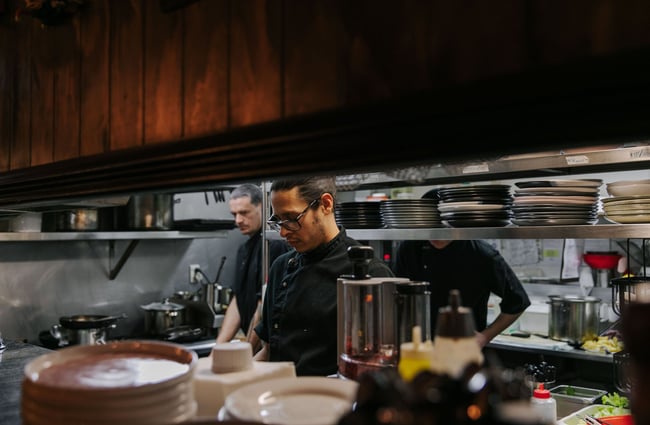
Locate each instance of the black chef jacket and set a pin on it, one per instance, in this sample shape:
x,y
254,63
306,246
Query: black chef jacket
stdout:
x,y
248,278
473,267
300,312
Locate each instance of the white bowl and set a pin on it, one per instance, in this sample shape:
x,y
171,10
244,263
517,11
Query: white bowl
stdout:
x,y
642,187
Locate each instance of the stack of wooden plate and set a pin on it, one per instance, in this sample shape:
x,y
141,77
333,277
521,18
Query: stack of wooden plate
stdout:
x,y
629,202
125,382
556,202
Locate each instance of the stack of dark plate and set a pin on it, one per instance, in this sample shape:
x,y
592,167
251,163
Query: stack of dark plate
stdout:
x,y
359,215
410,213
556,202
476,206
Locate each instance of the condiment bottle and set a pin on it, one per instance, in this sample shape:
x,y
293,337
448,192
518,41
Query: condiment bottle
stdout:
x,y
455,345
544,404
415,356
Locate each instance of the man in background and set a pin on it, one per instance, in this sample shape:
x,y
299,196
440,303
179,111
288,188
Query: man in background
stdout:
x,y
246,208
473,267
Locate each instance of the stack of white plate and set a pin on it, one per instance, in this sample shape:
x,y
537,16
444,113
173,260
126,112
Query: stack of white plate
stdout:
x,y
305,400
556,202
125,382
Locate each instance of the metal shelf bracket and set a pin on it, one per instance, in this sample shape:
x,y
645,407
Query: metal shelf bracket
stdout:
x,y
115,270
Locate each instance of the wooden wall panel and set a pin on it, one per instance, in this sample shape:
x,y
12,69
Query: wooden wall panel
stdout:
x,y
94,79
565,31
389,53
22,114
473,40
162,74
255,61
315,59
67,91
126,74
205,69
6,88
42,96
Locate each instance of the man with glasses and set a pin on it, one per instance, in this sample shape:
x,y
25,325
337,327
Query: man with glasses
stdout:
x,y
299,315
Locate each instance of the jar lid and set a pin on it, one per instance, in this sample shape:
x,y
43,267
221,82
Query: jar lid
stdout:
x,y
541,392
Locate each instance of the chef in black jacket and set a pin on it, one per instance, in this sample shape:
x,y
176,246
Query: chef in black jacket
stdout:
x,y
473,267
300,305
246,208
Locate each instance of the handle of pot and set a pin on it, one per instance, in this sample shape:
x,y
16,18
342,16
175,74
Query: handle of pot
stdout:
x,y
100,337
56,332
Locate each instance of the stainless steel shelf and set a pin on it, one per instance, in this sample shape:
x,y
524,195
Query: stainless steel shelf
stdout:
x,y
130,235
548,164
598,231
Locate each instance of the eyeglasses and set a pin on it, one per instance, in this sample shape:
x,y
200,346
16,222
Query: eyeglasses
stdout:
x,y
291,224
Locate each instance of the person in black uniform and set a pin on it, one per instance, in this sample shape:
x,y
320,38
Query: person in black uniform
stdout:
x,y
473,267
299,315
246,208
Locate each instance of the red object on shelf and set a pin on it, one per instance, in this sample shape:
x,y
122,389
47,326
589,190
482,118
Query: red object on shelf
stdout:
x,y
602,260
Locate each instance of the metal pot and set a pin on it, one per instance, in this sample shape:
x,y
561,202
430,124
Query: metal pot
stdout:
x,y
83,329
92,336
161,316
573,319
150,212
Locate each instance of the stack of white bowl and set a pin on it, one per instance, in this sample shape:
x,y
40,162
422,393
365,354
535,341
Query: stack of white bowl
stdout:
x,y
629,201
125,382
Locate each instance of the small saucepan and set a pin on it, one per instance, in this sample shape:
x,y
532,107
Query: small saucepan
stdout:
x,y
161,316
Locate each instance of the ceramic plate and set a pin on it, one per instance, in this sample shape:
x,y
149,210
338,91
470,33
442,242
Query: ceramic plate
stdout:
x,y
555,200
451,206
553,222
561,182
629,218
560,190
628,182
627,209
306,400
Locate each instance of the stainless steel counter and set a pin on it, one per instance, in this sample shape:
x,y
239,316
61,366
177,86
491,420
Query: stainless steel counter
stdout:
x,y
574,366
12,364
539,345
